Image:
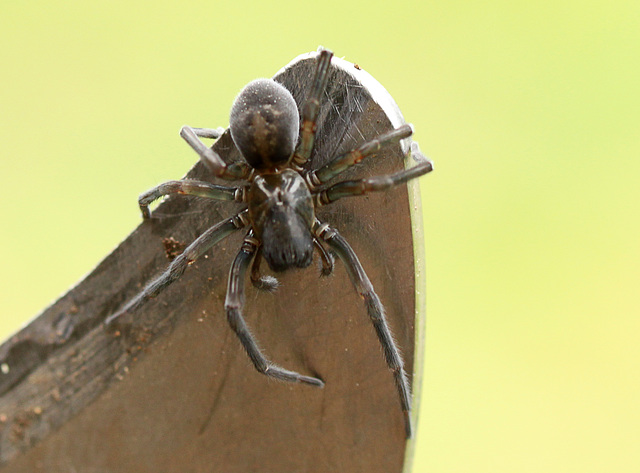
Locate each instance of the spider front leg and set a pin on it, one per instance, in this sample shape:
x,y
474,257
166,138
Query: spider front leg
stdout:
x,y
311,108
178,266
189,187
376,314
375,184
233,305
211,159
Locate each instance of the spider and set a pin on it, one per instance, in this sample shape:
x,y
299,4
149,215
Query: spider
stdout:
x,y
281,196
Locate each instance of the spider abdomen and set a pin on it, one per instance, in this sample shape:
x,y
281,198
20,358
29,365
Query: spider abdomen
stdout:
x,y
264,124
282,214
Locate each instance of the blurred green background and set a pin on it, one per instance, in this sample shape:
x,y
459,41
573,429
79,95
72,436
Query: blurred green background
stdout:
x,y
530,111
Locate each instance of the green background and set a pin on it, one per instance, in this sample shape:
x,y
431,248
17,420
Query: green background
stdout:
x,y
530,111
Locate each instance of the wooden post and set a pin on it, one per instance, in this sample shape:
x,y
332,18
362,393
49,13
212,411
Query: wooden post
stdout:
x,y
174,391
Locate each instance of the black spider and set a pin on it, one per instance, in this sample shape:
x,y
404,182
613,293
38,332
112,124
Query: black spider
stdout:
x,y
281,197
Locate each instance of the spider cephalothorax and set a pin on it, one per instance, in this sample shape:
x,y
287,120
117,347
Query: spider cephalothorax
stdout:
x,y
282,215
281,195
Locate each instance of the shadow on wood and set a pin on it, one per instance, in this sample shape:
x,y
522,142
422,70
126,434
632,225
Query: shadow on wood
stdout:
x,y
175,392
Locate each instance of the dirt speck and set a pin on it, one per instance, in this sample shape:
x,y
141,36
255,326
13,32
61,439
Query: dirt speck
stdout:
x,y
173,247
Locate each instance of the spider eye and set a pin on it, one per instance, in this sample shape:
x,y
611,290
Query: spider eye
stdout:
x,y
264,124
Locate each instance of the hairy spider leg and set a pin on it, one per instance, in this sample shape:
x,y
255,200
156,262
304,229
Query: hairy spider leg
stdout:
x,y
233,306
327,259
311,108
333,168
189,187
178,266
376,313
375,184
211,159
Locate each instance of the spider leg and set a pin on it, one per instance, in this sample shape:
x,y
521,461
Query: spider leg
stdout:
x,y
311,108
189,187
376,313
326,258
340,164
263,283
178,266
214,133
233,305
211,159
375,184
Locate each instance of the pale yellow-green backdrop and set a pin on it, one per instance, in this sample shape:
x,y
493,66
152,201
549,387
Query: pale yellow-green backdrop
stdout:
x,y
530,110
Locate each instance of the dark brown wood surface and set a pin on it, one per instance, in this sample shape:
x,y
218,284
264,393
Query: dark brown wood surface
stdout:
x,y
174,391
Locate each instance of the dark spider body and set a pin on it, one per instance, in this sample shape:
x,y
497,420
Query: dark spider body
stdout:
x,y
264,126
282,215
281,196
